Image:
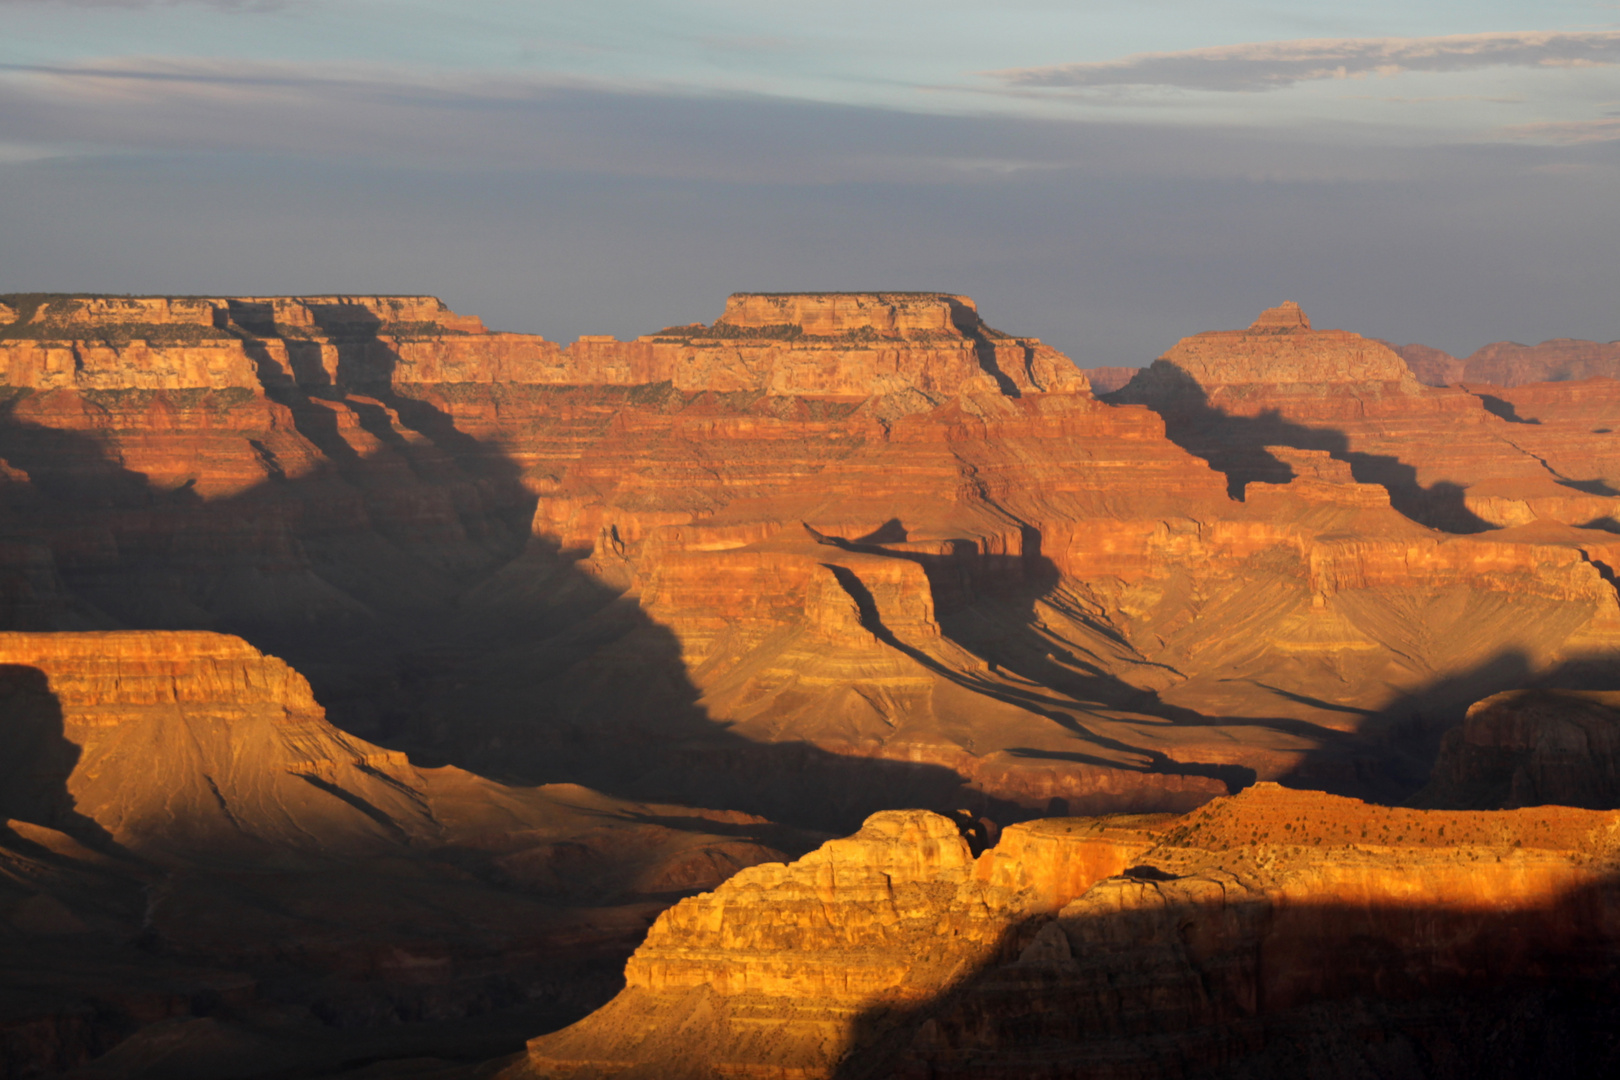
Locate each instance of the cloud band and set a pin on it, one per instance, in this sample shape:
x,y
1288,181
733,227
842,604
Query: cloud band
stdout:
x,y
1275,64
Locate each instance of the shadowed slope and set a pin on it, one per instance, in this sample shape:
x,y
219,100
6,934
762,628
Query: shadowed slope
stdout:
x,y
184,816
1267,928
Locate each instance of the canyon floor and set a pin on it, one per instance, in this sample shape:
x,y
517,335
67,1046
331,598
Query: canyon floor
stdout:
x,y
379,685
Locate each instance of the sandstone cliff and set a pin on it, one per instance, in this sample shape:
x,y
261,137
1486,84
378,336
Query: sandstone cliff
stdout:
x,y
1531,748
771,974
183,829
824,556
862,542
1267,928
1507,363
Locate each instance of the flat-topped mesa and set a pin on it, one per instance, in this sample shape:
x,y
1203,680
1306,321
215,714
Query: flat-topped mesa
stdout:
x,y
1280,350
351,314
913,349
1278,354
888,314
64,341
70,316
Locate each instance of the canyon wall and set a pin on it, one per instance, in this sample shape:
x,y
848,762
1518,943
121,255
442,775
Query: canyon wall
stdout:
x,y
1508,364
1260,928
692,596
860,540
1530,748
1230,395
190,851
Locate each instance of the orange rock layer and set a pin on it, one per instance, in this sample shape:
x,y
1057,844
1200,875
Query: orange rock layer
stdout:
x,y
184,791
1129,945
865,528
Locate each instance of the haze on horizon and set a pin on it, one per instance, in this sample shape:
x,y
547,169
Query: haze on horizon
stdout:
x,y
1107,178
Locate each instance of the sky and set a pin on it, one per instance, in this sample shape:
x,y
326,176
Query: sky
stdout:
x,y
1108,177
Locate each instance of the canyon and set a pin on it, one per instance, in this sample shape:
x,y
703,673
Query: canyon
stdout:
x,y
1507,363
1273,932
374,668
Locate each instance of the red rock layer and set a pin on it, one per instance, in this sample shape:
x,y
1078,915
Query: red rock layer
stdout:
x,y
1531,748
841,536
818,585
1216,940
185,792
1226,394
1507,363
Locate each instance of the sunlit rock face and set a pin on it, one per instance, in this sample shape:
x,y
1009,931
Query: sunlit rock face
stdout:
x,y
861,541
1228,396
702,598
1281,351
200,868
1509,364
1269,927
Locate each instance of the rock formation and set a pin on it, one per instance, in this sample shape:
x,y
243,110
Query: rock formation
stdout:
x,y
1105,380
1531,748
185,835
1281,352
863,549
1507,363
1270,930
1430,366
1227,395
828,555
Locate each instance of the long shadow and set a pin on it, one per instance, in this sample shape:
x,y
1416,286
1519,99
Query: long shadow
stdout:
x,y
985,604
39,758
590,691
1243,988
1236,446
374,655
1505,409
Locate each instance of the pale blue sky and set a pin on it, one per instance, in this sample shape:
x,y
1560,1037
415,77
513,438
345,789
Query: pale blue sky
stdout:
x,y
1108,176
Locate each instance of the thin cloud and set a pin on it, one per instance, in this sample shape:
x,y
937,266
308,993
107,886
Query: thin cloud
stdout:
x,y
1271,65
217,5
450,120
1566,131
748,45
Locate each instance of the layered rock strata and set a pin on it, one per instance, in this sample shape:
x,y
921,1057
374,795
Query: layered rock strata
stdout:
x,y
861,541
1531,748
1228,395
1507,363
1269,927
827,555
186,837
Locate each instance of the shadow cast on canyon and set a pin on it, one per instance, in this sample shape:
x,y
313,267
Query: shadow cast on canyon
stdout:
x,y
1247,989
1235,446
986,604
39,759
369,618
590,690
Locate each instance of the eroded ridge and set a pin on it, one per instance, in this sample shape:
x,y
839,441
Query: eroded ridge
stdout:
x,y
1223,937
